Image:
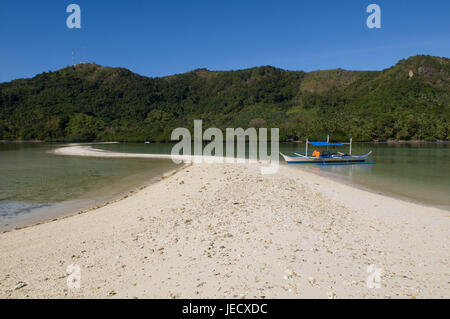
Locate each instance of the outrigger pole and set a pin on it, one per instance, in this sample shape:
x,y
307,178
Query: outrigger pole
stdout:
x,y
328,138
306,152
351,140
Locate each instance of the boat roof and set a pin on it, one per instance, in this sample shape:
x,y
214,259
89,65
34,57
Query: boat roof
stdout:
x,y
325,144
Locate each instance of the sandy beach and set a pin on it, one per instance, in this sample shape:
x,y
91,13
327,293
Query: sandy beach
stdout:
x,y
227,231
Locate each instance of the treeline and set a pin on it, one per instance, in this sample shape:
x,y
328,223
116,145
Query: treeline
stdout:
x,y
87,102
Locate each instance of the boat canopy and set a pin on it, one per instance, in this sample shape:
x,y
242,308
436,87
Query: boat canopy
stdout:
x,y
325,144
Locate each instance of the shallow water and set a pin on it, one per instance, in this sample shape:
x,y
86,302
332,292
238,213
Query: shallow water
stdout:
x,y
36,185
417,172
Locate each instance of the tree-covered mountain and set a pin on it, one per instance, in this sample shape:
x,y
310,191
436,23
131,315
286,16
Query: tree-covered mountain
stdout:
x,y
86,102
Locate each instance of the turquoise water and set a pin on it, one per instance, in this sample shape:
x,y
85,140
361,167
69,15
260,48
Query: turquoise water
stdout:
x,y
36,185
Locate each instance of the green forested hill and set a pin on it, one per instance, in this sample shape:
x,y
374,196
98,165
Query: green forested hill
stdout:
x,y
410,100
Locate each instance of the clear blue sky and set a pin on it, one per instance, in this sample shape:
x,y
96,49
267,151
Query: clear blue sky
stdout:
x,y
157,38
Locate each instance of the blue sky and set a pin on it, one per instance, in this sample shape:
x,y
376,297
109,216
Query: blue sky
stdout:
x,y
157,38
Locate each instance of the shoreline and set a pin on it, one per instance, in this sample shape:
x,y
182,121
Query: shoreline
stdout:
x,y
289,235
101,203
85,150
336,181
397,196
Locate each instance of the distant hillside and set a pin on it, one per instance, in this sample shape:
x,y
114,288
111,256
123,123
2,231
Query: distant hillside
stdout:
x,y
410,100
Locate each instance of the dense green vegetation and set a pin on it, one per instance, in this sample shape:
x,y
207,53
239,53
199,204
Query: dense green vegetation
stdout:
x,y
410,100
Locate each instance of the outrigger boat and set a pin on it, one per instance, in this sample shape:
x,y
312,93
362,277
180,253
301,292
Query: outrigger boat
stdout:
x,y
327,157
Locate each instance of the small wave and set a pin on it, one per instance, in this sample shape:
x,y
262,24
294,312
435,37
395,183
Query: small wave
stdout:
x,y
10,209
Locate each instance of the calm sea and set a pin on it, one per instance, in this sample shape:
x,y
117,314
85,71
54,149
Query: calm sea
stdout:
x,y
36,185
